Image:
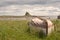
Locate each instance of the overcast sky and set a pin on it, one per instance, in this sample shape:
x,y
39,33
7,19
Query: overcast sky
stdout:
x,y
34,7
42,2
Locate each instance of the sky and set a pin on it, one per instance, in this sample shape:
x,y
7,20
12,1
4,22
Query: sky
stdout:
x,y
34,7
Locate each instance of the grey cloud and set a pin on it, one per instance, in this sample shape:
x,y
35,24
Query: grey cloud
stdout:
x,y
32,9
42,2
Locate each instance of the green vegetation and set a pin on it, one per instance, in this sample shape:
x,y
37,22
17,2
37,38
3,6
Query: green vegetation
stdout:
x,y
18,30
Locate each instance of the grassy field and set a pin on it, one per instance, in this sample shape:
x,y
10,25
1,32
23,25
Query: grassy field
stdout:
x,y
18,30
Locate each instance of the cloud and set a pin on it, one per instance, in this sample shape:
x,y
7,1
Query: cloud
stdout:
x,y
38,10
34,7
30,2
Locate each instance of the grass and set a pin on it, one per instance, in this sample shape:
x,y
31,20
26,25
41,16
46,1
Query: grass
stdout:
x,y
17,30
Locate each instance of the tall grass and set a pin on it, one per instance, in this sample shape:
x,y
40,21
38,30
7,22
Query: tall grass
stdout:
x,y
17,30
